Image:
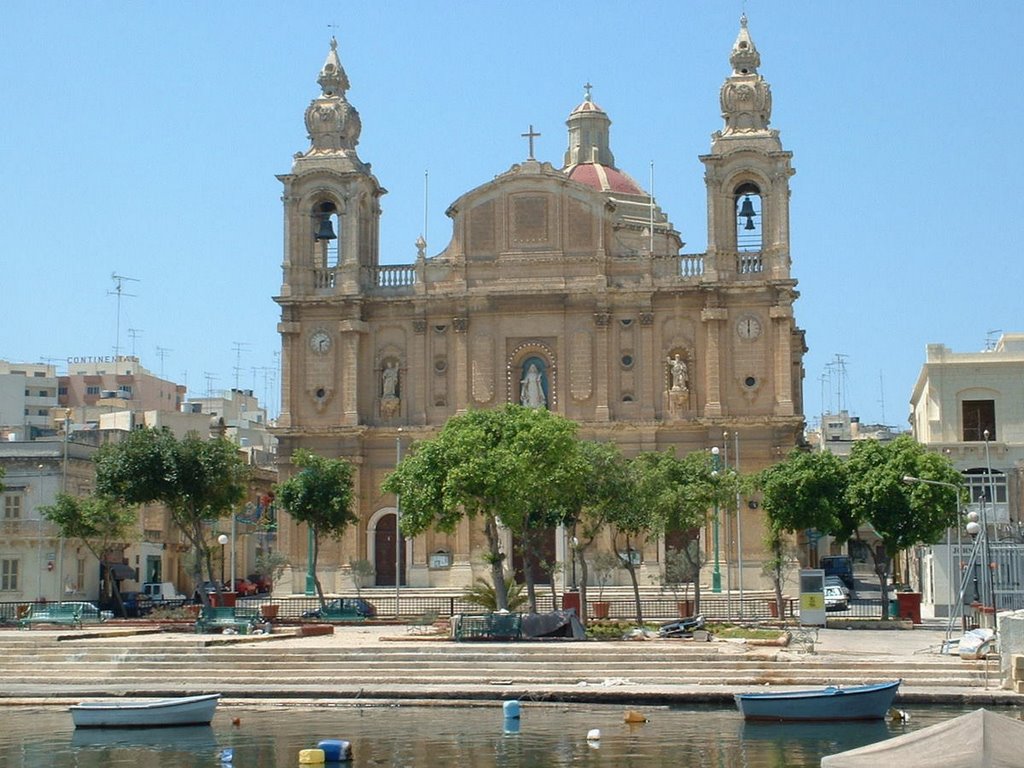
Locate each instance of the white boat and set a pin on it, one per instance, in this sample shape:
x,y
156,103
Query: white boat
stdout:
x,y
115,713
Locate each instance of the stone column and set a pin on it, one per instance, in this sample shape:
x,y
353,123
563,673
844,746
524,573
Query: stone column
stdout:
x,y
602,412
289,332
653,366
460,376
350,331
782,321
423,369
713,318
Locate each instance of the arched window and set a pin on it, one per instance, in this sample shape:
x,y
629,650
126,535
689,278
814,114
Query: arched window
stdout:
x,y
747,203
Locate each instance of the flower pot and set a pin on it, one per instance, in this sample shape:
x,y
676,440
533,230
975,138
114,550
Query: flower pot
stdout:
x,y
268,611
600,609
686,608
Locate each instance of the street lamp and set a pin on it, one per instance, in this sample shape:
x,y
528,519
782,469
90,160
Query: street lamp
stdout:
x,y
716,572
222,540
398,528
990,577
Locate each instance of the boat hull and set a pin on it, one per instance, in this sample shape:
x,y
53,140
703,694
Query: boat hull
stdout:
x,y
186,710
860,702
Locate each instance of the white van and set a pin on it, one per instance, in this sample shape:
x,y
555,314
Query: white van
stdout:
x,y
159,591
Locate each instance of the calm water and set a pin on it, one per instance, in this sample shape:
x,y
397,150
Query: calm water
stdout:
x,y
460,737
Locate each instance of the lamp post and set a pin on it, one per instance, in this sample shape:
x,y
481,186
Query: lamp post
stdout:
x,y
398,528
990,576
957,488
222,540
574,545
716,572
64,490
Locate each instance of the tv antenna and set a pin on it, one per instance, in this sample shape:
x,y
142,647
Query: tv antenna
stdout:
x,y
119,281
161,352
238,347
134,333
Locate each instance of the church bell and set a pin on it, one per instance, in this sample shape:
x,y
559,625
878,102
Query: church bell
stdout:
x,y
747,211
326,230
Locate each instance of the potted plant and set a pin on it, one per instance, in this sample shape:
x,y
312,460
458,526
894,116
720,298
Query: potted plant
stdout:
x,y
604,565
269,566
680,572
362,572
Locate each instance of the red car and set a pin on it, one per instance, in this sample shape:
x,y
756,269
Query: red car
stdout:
x,y
262,583
244,587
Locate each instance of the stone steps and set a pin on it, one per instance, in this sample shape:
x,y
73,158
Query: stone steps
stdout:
x,y
43,665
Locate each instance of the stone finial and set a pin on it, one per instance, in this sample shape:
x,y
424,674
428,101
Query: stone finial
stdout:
x,y
746,98
333,124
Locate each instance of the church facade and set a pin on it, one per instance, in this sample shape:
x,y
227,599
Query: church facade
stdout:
x,y
563,288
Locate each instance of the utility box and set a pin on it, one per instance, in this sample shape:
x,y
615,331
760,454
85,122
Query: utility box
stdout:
x,y
909,606
812,597
571,600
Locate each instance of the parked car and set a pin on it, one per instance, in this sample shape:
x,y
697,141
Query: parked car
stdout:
x,y
160,591
835,598
841,566
87,610
355,605
244,587
835,581
263,583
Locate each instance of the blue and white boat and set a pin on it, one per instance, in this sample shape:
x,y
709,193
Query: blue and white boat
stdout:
x,y
856,702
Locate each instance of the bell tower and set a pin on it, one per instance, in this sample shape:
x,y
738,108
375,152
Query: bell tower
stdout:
x,y
331,252
747,175
752,340
332,200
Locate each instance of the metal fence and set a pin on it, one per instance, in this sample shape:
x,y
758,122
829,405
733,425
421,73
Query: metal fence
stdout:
x,y
714,607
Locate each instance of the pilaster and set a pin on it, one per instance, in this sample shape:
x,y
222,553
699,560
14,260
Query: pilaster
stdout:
x,y
713,319
782,321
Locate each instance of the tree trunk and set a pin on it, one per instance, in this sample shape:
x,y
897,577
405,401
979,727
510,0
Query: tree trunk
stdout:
x,y
528,559
582,563
497,562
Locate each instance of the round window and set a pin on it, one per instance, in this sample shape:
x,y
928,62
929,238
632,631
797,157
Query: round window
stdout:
x,y
750,381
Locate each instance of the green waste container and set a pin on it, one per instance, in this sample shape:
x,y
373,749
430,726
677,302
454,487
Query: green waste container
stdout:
x,y
894,608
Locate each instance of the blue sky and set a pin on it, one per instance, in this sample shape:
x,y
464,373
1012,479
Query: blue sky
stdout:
x,y
143,139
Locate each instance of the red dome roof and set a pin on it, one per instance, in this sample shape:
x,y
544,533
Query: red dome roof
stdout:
x,y
604,178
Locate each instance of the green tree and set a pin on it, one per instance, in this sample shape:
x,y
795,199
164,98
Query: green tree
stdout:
x,y
805,490
199,481
99,522
600,485
902,515
499,466
320,496
680,494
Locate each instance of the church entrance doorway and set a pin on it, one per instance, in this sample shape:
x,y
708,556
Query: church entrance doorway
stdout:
x,y
384,552
543,543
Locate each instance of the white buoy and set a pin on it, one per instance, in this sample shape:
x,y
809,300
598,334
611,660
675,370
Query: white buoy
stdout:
x,y
594,734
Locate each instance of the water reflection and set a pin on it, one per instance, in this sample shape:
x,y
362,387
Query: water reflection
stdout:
x,y
545,735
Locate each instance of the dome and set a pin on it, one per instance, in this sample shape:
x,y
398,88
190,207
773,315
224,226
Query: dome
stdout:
x,y
604,178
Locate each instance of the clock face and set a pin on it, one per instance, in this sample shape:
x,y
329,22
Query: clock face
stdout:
x,y
749,327
320,342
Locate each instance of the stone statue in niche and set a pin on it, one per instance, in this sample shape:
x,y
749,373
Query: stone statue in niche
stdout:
x,y
389,380
531,388
677,374
389,402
